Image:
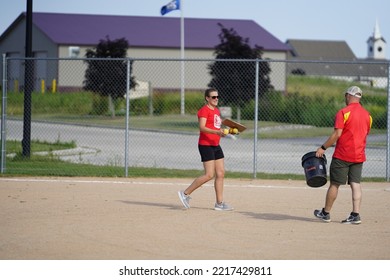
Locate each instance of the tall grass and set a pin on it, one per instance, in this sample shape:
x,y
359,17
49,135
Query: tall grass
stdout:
x,y
76,103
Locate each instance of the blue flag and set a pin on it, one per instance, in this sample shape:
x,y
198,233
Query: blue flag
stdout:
x,y
171,6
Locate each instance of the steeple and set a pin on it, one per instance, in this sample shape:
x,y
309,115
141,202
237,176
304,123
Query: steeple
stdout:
x,y
377,32
376,44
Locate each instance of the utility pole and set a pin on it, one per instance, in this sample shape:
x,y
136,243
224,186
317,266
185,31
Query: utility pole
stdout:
x,y
28,83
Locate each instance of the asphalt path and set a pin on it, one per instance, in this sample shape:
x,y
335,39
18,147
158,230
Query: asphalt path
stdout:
x,y
106,146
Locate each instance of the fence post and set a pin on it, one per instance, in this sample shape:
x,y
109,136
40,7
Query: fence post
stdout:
x,y
150,92
3,116
127,118
388,126
256,120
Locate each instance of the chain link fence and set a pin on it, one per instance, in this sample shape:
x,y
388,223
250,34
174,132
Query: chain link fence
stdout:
x,y
131,114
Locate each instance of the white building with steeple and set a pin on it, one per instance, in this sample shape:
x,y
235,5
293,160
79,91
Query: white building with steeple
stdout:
x,y
376,44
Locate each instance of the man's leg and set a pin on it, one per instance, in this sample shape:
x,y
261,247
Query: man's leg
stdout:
x,y
331,196
356,197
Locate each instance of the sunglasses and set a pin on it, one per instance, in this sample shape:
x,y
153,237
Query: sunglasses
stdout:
x,y
214,97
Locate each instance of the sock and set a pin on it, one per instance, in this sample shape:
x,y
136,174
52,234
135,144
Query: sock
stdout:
x,y
324,212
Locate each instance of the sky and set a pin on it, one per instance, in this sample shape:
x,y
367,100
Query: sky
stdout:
x,y
336,20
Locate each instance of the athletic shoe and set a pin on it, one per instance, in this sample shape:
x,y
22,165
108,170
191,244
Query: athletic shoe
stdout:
x,y
352,220
223,207
185,199
320,215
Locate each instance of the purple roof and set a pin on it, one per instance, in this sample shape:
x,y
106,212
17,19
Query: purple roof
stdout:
x,y
159,32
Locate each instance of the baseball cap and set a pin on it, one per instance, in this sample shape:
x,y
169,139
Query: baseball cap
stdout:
x,y
355,91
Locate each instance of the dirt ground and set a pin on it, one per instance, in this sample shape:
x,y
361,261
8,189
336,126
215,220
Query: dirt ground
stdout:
x,y
143,219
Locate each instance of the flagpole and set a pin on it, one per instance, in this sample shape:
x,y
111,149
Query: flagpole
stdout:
x,y
182,105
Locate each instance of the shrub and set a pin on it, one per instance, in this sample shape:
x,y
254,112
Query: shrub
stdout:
x,y
99,105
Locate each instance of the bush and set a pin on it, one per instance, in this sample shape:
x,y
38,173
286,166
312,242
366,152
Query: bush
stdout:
x,y
99,105
170,103
293,108
271,108
378,114
375,104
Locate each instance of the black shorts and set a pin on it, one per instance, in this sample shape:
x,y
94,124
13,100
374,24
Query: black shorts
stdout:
x,y
208,153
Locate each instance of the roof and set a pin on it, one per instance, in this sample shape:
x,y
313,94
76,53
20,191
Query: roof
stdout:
x,y
320,50
337,54
158,32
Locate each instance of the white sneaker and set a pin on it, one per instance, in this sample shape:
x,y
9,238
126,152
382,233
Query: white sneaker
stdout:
x,y
185,199
223,207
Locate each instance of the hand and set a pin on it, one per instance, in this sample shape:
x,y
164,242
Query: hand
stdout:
x,y
320,152
221,133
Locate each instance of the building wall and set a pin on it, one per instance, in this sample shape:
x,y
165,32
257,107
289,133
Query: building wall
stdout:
x,y
13,46
14,42
196,74
278,74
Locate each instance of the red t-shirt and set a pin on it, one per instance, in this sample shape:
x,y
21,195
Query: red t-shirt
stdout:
x,y
213,121
356,123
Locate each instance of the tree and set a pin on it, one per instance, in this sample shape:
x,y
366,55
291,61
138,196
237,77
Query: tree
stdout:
x,y
108,77
236,80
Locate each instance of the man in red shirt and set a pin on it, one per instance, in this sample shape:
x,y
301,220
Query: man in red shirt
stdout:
x,y
352,125
210,151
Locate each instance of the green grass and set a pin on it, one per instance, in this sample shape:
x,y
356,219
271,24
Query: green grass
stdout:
x,y
52,166
76,103
15,147
47,166
317,86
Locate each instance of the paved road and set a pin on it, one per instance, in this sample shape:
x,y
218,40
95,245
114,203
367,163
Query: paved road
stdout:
x,y
102,146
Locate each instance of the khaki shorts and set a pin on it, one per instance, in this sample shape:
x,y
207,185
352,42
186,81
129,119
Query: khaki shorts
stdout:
x,y
342,172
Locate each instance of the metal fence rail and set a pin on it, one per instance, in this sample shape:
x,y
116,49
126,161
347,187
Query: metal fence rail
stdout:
x,y
155,125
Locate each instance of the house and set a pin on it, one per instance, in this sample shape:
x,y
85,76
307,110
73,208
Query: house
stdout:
x,y
57,35
339,60
320,50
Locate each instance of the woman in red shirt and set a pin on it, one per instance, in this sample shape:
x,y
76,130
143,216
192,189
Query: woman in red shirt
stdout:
x,y
210,151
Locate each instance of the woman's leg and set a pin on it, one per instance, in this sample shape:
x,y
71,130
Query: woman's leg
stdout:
x,y
209,172
219,179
